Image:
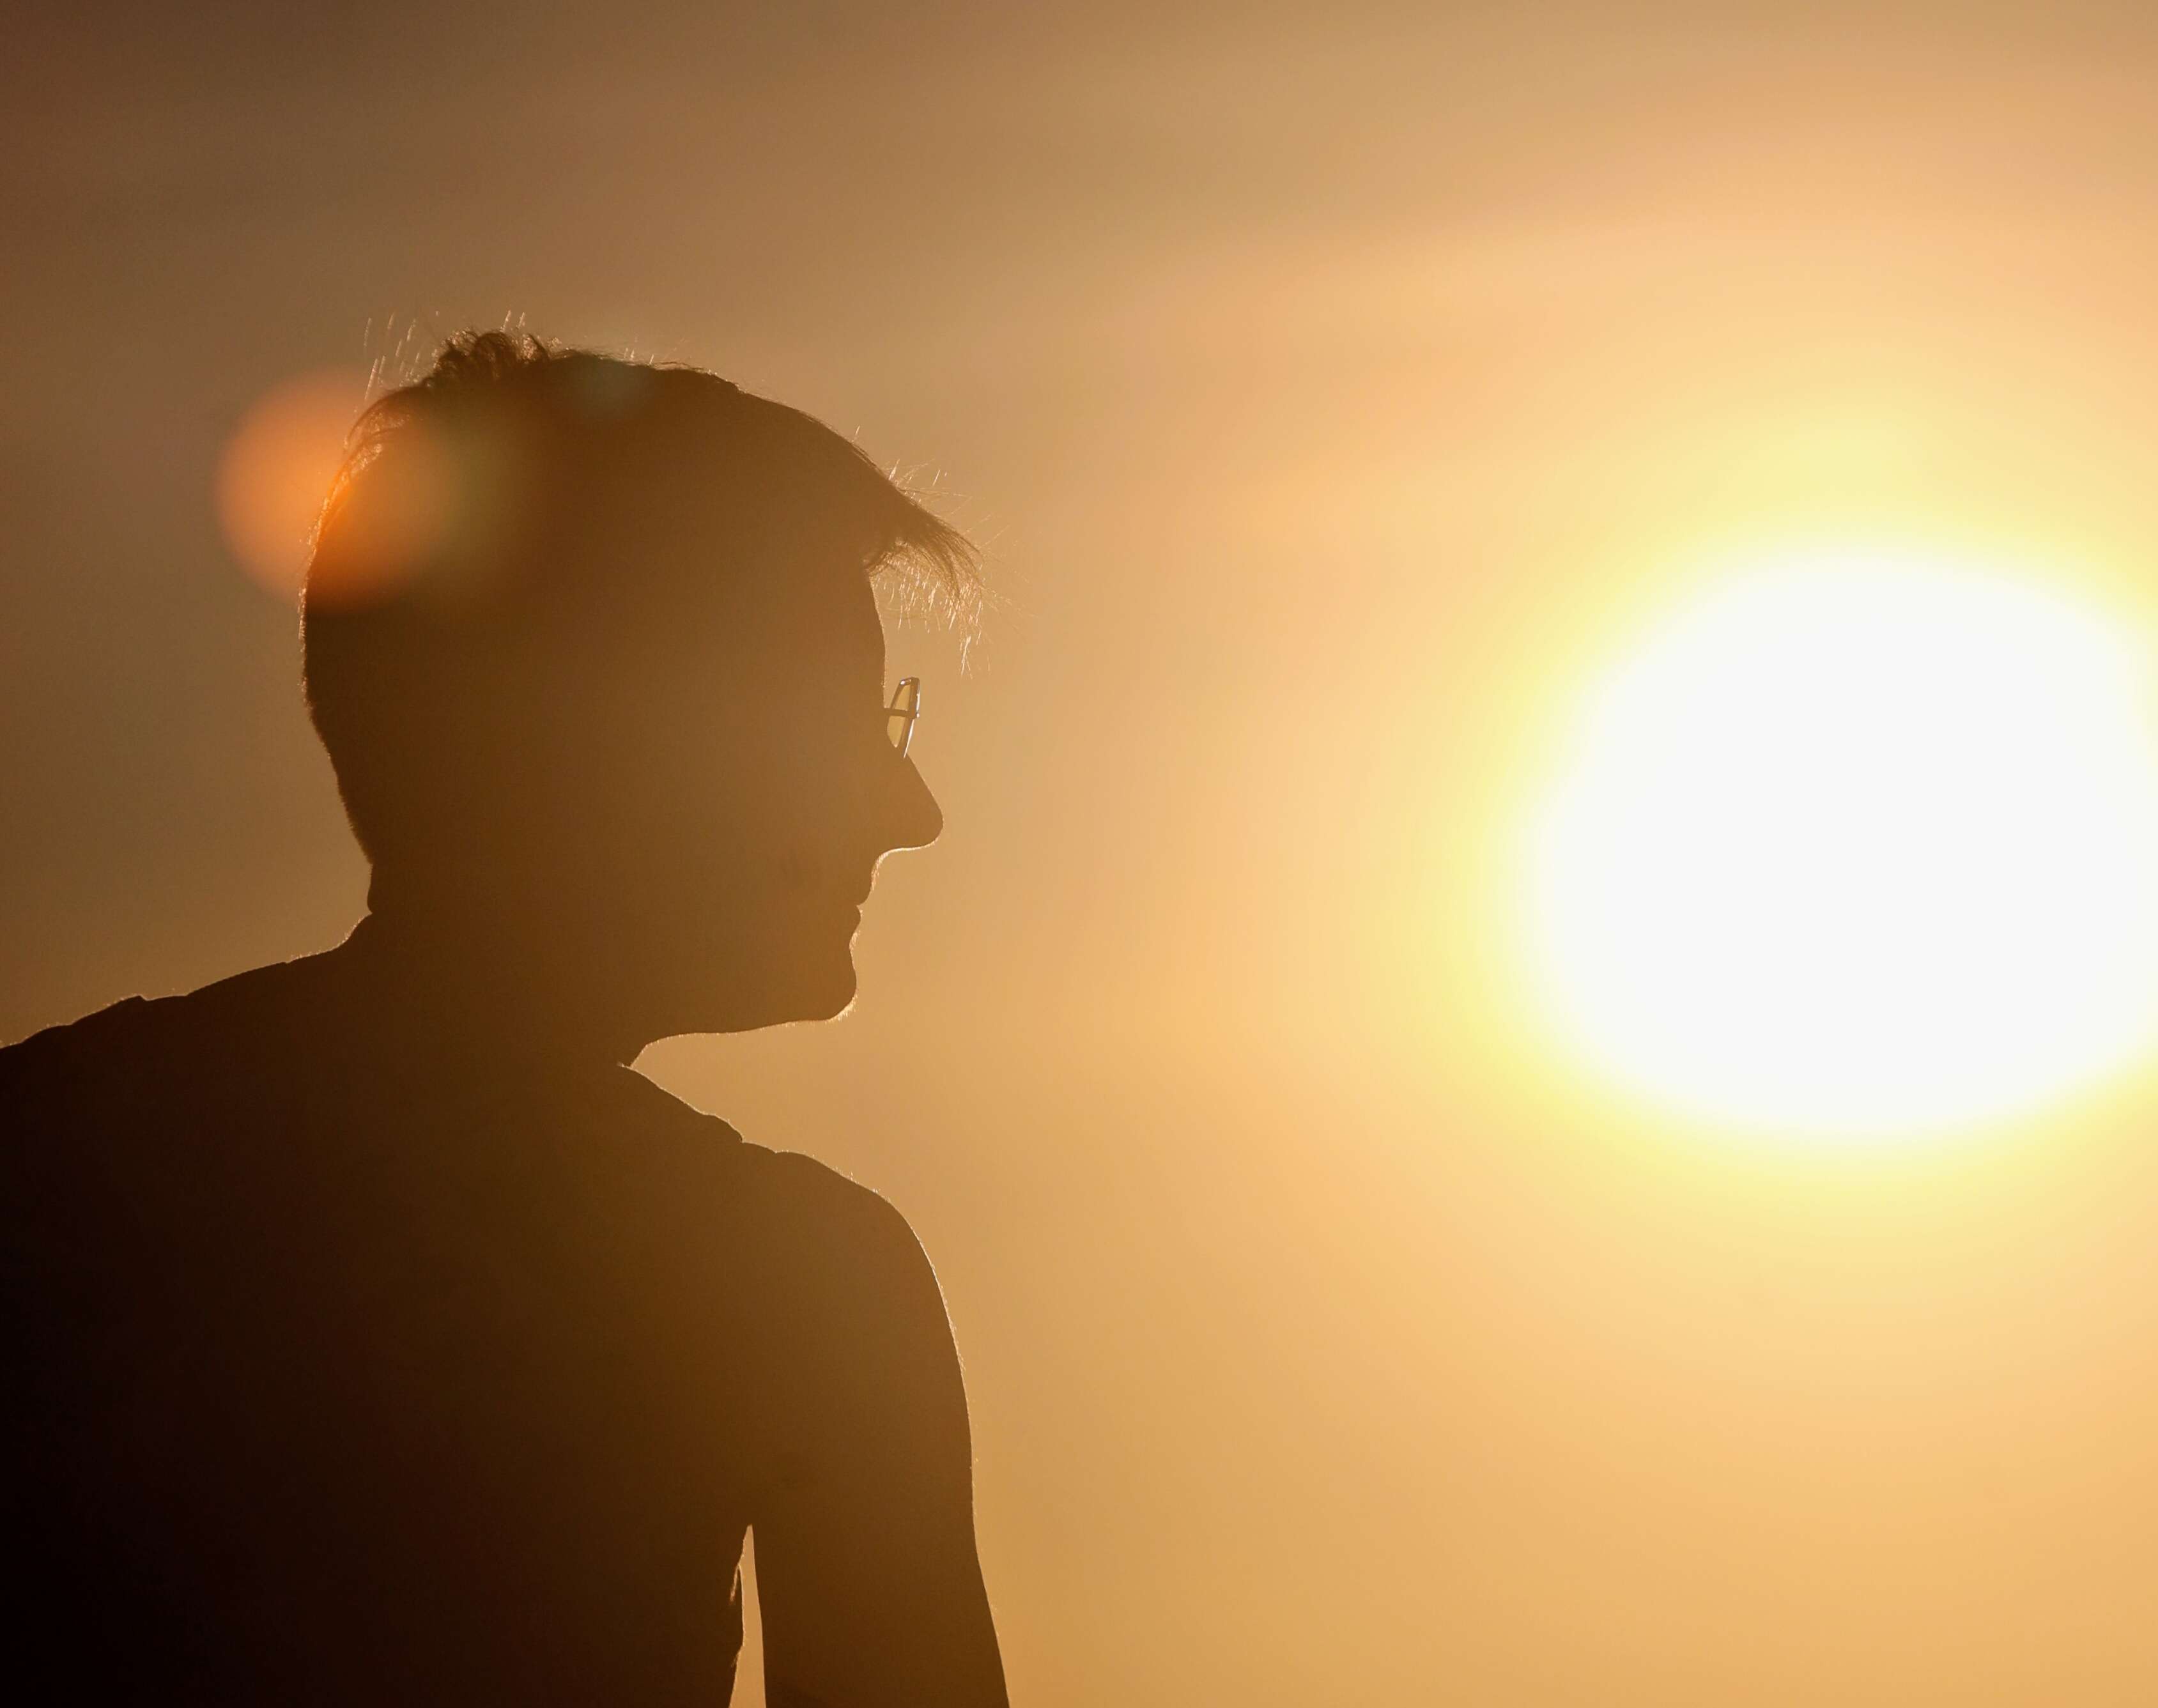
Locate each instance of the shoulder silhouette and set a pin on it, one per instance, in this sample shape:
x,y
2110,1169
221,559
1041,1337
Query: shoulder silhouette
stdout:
x,y
374,1334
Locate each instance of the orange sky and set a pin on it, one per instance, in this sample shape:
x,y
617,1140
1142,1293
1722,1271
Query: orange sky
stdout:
x,y
1324,383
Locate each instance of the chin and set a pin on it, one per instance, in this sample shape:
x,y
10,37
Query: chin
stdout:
x,y
808,990
822,976
833,995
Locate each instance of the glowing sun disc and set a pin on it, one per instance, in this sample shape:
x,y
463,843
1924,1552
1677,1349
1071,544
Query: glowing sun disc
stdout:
x,y
1856,844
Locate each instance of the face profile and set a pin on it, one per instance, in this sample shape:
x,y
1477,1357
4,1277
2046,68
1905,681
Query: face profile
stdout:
x,y
718,845
490,1353
743,833
638,676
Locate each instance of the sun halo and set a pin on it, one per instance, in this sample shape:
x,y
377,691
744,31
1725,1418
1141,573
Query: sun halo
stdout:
x,y
1854,846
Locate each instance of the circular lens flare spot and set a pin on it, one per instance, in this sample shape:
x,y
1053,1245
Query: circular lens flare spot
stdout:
x,y
276,469
1858,844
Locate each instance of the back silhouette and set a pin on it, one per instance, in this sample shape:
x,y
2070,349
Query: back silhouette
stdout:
x,y
373,1333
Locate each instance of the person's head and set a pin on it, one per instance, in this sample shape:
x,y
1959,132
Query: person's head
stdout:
x,y
593,647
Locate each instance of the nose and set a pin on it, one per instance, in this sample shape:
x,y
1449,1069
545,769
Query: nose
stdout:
x,y
913,817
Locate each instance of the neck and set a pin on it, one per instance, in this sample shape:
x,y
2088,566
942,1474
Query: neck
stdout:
x,y
498,987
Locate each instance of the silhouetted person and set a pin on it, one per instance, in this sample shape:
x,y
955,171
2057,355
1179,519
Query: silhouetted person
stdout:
x,y
372,1332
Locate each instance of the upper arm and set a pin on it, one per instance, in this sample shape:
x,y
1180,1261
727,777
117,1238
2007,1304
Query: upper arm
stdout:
x,y
867,1573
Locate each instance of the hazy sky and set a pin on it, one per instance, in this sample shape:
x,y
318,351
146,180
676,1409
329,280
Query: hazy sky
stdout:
x,y
1324,382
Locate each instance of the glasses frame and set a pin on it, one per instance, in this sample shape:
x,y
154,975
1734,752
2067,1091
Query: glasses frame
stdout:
x,y
905,703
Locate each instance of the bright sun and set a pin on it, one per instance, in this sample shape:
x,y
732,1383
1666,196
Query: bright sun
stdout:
x,y
1858,844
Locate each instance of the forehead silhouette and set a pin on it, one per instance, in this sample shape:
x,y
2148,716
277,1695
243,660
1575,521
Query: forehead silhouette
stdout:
x,y
524,521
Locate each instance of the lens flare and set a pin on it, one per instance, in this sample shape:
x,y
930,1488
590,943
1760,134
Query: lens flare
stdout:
x,y
276,469
1858,844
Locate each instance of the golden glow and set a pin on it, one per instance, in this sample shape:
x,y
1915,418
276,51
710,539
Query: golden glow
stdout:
x,y
1857,843
277,466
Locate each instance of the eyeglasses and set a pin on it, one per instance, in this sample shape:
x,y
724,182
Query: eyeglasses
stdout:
x,y
900,715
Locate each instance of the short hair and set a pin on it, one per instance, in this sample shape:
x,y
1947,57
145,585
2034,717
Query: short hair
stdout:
x,y
505,490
